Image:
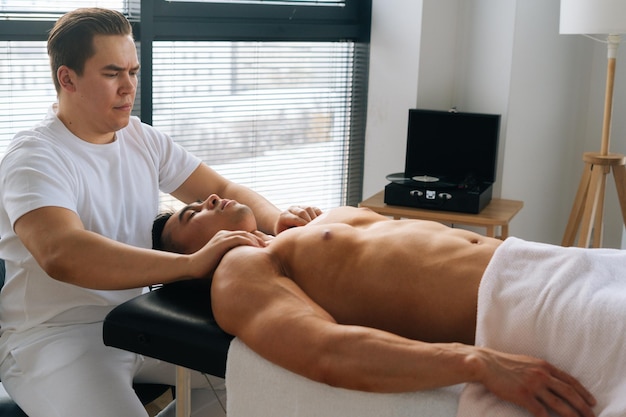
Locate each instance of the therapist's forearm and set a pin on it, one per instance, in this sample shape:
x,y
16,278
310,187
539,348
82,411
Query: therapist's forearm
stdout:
x,y
205,181
67,252
92,261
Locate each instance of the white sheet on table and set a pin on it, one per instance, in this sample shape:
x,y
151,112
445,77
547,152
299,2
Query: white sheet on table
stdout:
x,y
256,387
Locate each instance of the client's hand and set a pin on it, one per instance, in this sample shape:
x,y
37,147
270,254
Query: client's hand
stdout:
x,y
535,384
296,216
209,256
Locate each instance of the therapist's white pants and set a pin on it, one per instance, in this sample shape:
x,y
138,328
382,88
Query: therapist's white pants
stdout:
x,y
67,371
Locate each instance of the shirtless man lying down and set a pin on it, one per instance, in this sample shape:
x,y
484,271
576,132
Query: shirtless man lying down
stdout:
x,y
359,301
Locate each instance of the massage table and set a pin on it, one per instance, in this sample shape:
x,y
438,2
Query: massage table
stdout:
x,y
175,324
565,305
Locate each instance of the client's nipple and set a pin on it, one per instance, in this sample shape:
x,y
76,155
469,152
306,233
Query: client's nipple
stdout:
x,y
326,234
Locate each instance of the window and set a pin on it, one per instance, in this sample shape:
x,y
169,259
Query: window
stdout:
x,y
271,94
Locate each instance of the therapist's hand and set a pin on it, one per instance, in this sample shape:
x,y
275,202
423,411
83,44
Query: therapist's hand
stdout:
x,y
296,216
205,260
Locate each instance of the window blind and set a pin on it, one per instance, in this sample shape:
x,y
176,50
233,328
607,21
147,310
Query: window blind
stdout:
x,y
283,116
274,116
26,89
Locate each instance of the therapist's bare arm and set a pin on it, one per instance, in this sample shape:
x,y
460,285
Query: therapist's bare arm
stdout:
x,y
205,181
67,252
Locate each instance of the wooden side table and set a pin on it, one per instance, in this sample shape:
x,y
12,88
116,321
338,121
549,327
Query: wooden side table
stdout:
x,y
498,213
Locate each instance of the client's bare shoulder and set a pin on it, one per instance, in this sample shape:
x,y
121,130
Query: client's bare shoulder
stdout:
x,y
235,283
253,298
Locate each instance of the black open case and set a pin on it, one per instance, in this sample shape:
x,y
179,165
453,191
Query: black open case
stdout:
x,y
450,161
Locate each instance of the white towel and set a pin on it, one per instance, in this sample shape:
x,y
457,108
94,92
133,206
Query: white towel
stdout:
x,y
565,305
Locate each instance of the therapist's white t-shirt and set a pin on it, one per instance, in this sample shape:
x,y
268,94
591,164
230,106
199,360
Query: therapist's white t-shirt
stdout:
x,y
114,189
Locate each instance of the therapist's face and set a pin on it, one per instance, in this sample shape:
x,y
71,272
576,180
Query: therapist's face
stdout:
x,y
99,102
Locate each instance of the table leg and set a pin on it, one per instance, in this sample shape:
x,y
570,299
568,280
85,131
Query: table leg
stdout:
x,y
183,392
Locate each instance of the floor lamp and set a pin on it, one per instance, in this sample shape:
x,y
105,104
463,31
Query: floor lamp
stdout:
x,y
594,17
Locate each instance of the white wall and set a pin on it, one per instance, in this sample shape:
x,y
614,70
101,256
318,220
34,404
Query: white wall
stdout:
x,y
394,67
496,56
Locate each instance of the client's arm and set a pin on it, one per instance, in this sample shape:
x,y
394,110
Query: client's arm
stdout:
x,y
256,302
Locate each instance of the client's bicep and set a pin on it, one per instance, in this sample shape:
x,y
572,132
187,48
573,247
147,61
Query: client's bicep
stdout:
x,y
252,300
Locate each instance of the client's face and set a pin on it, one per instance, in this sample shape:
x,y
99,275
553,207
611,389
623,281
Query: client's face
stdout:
x,y
194,225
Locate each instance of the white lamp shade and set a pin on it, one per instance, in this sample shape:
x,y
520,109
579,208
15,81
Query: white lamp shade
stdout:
x,y
593,17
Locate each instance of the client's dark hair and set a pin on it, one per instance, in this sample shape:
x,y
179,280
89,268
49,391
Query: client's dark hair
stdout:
x,y
158,242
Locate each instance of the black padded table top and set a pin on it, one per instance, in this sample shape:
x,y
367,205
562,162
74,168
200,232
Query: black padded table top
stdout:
x,y
173,323
9,409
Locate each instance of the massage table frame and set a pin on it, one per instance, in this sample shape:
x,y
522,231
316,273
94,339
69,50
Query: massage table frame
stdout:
x,y
175,324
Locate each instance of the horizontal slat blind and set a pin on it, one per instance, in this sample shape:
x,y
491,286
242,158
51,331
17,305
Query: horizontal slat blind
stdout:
x,y
285,118
26,89
274,116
